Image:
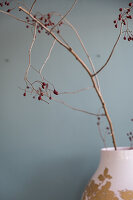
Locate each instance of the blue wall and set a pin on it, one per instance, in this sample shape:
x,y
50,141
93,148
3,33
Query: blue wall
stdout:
x,y
49,151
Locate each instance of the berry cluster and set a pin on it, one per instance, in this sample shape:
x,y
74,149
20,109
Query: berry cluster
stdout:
x,y
46,20
43,90
123,17
5,3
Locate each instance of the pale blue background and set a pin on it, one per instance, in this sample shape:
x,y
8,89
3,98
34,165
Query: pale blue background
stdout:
x,y
49,152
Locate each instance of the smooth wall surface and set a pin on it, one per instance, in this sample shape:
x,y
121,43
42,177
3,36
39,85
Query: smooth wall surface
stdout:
x,y
49,151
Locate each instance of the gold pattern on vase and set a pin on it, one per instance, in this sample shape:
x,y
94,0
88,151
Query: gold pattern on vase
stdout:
x,y
126,195
101,190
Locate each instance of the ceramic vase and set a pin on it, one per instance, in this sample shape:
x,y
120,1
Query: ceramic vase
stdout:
x,y
113,179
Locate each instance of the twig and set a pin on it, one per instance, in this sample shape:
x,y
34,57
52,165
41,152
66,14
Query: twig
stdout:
x,y
30,49
75,92
76,109
53,44
13,16
65,15
102,137
110,53
32,6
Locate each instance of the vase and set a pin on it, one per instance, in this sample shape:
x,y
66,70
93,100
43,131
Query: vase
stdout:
x,y
113,179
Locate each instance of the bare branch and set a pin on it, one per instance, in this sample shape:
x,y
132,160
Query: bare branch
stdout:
x,y
53,44
110,53
65,15
30,49
86,69
76,109
7,13
32,6
101,135
77,91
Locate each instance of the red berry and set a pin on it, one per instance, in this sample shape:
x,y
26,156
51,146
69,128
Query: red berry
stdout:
x,y
130,4
41,18
41,93
55,92
9,10
39,31
48,16
116,26
120,17
50,97
120,9
124,38
115,21
43,83
124,22
24,94
39,98
27,26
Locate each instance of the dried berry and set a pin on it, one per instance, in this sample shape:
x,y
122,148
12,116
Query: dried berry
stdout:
x,y
39,98
55,92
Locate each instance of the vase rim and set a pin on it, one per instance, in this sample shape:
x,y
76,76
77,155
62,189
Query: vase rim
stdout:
x,y
109,149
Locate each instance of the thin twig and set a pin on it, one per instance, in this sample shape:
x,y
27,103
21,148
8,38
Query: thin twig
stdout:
x,y
102,137
32,6
30,49
77,91
53,44
110,53
64,15
77,109
13,16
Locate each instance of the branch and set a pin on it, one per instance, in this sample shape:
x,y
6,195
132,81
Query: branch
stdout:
x,y
76,109
32,6
13,16
77,91
110,53
65,15
30,49
40,71
86,69
102,137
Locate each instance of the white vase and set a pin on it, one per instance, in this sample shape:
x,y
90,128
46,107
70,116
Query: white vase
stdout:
x,y
113,180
